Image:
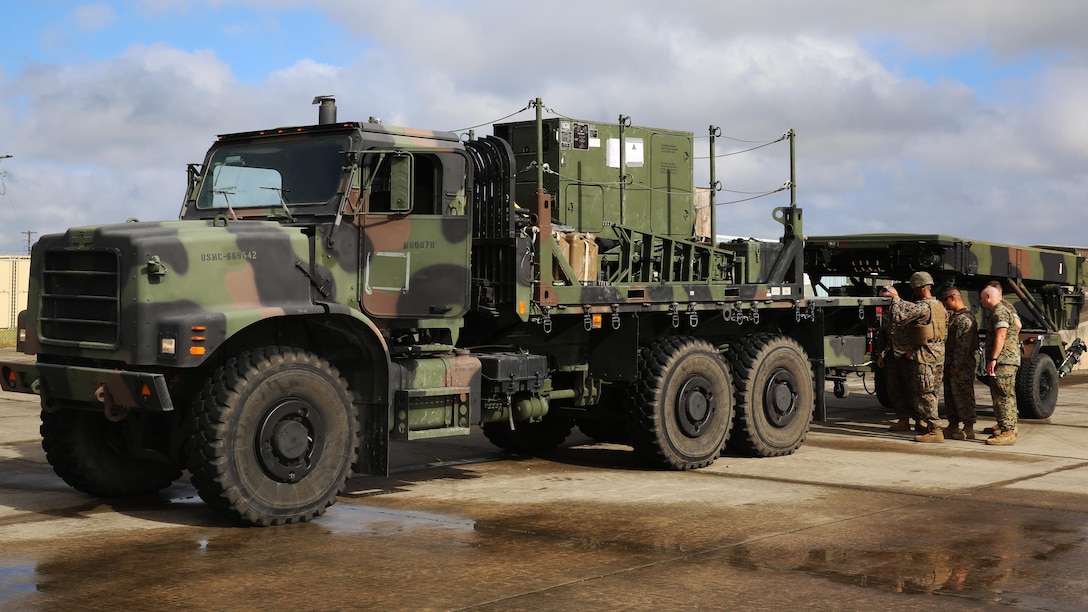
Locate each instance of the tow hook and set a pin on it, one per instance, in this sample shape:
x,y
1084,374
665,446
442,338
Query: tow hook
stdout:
x,y
112,411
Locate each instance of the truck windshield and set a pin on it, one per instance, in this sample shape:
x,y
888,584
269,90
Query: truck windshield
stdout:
x,y
273,173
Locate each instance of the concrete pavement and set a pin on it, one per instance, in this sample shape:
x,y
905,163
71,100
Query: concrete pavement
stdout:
x,y
857,518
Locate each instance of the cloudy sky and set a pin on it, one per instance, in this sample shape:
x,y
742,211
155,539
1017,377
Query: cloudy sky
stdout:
x,y
961,117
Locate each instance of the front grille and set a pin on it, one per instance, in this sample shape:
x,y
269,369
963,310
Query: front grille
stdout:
x,y
81,298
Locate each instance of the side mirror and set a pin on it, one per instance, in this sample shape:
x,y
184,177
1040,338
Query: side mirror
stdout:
x,y
400,183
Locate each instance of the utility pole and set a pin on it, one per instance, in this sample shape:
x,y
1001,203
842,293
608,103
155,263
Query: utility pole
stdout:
x,y
29,234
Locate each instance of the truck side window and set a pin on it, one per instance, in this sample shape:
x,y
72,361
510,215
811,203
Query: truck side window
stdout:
x,y
428,185
377,182
404,182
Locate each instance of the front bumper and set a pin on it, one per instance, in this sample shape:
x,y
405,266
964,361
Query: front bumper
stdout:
x,y
102,386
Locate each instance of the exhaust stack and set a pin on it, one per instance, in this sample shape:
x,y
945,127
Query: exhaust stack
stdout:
x,y
326,113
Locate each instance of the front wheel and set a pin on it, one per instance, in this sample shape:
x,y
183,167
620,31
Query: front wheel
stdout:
x,y
274,437
1037,388
93,455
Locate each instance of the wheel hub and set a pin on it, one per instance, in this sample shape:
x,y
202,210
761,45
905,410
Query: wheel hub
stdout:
x,y
289,440
1045,383
780,398
694,406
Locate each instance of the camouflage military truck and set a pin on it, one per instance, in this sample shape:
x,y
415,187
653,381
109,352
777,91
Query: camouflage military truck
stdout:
x,y
1046,285
329,288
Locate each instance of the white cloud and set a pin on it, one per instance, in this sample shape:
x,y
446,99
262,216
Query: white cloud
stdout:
x,y
305,70
878,150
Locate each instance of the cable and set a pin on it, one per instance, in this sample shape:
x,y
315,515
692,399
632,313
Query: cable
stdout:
x,y
3,186
531,104
645,187
473,127
557,113
782,188
4,192
734,139
766,144
779,139
610,184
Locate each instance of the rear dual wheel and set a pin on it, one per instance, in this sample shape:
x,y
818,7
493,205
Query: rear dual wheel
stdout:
x,y
774,395
683,404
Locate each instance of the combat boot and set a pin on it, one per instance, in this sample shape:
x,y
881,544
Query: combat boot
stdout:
x,y
900,425
968,432
953,432
933,435
991,430
1005,437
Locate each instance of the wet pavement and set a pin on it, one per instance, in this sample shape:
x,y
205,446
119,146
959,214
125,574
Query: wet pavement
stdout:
x,y
858,519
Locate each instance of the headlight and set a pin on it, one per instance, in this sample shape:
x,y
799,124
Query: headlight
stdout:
x,y
168,346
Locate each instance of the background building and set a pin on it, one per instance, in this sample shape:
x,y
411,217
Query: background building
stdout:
x,y
14,280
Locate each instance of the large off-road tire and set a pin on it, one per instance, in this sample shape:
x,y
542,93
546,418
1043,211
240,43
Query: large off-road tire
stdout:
x,y
774,395
529,438
274,437
1037,388
683,404
91,454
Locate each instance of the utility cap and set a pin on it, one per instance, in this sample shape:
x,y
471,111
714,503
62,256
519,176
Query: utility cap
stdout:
x,y
920,279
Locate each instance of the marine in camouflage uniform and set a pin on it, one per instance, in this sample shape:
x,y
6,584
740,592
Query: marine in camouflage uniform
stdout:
x,y
1002,354
924,321
960,363
892,358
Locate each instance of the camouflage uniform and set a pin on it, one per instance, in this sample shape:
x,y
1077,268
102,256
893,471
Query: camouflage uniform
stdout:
x,y
925,362
894,348
961,348
1003,384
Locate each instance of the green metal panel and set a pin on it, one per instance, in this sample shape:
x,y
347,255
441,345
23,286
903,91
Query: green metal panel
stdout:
x,y
584,175
672,197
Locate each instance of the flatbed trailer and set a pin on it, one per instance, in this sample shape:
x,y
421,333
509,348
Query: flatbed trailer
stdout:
x,y
1046,285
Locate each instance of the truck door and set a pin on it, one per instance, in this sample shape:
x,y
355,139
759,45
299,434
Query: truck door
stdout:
x,y
414,258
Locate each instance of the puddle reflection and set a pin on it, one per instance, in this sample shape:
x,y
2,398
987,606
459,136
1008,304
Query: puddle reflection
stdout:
x,y
985,568
350,519
17,577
